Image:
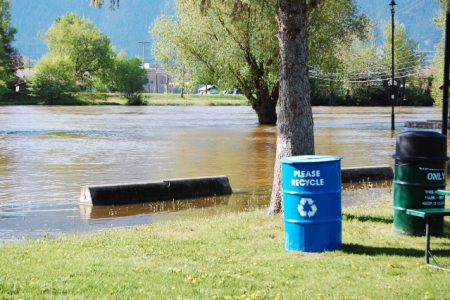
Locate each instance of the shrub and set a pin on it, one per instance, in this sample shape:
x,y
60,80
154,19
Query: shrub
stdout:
x,y
135,99
128,76
52,79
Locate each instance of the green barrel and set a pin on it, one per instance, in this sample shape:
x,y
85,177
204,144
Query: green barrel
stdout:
x,y
420,170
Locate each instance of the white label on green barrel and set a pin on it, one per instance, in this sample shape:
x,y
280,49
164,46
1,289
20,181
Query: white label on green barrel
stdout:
x,y
433,199
436,176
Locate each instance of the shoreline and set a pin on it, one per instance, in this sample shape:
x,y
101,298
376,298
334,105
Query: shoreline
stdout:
x,y
94,99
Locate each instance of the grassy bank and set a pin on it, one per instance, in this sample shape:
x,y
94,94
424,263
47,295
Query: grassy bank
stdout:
x,y
117,99
229,256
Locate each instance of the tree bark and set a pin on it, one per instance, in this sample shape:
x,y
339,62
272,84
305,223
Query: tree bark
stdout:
x,y
295,120
266,110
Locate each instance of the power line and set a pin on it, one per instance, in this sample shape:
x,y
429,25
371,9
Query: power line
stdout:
x,y
381,78
369,71
409,7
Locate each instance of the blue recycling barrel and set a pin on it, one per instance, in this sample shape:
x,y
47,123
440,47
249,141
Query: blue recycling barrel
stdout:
x,y
312,203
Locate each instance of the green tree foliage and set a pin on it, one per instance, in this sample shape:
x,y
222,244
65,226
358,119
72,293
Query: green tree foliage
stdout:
x,y
112,3
437,67
408,61
6,50
53,77
233,43
339,85
80,57
227,45
360,64
128,77
89,50
333,27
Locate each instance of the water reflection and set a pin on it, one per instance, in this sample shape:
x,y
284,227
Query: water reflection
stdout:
x,y
238,201
6,164
88,212
244,154
48,153
353,194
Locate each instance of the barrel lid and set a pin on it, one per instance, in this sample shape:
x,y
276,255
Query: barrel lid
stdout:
x,y
310,159
420,145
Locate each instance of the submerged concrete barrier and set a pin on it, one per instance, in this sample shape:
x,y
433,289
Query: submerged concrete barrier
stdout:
x,y
428,124
170,189
372,173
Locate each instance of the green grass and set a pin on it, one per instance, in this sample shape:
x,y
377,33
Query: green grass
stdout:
x,y
117,99
234,255
25,99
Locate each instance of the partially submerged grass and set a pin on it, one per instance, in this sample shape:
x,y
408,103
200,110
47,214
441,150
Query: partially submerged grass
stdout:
x,y
83,98
234,255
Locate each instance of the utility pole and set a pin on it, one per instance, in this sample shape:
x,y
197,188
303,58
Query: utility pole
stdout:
x,y
167,82
143,50
446,71
392,4
156,79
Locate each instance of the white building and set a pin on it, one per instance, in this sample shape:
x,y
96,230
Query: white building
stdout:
x,y
23,74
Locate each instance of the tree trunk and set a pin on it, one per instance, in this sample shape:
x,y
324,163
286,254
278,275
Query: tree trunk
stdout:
x,y
295,120
266,110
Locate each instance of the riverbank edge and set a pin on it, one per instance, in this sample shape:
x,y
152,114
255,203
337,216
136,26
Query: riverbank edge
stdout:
x,y
227,256
118,99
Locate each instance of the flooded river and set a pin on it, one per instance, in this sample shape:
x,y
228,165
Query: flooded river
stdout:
x,y
48,153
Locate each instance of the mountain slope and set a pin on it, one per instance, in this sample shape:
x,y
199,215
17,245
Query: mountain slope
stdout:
x,y
417,15
129,25
125,27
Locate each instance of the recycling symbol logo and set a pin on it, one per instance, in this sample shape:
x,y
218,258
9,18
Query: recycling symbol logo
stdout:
x,y
311,205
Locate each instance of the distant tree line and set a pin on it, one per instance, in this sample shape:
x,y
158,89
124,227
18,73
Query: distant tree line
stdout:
x,y
233,45
81,58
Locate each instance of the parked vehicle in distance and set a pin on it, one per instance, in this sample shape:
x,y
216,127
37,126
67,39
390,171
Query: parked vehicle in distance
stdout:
x,y
232,92
207,90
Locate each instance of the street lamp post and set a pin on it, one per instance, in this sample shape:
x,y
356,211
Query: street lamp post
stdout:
x,y
392,4
446,71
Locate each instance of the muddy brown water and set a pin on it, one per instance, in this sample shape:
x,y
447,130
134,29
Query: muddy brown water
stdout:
x,y
48,153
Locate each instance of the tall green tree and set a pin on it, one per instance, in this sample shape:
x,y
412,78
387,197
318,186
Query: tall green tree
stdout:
x,y
225,44
81,57
128,77
85,46
362,65
7,52
232,43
